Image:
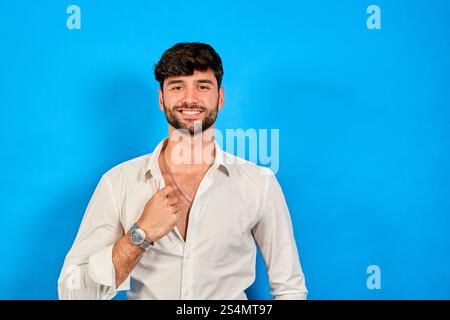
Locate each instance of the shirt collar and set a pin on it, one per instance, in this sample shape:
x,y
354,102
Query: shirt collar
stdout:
x,y
151,168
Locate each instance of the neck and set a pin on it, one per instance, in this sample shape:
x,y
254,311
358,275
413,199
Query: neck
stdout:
x,y
189,153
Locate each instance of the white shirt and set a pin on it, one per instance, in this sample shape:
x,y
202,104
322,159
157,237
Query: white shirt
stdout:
x,y
237,204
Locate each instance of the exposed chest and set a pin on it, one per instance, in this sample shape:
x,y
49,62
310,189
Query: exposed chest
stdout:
x,y
187,187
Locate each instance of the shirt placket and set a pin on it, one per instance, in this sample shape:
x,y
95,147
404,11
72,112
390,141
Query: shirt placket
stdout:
x,y
188,268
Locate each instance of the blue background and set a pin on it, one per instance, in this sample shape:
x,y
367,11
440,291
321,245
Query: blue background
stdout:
x,y
363,118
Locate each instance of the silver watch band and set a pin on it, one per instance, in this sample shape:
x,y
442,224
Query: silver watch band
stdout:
x,y
146,244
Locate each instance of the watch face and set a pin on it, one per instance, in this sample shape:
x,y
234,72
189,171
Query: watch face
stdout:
x,y
137,236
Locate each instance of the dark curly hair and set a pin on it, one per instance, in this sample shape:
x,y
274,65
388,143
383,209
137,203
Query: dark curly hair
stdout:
x,y
185,57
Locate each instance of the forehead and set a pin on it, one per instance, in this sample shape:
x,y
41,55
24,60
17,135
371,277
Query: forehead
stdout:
x,y
197,76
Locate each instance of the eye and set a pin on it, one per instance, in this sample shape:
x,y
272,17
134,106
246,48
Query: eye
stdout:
x,y
203,87
176,88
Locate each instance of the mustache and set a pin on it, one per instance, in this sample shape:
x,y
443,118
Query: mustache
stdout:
x,y
189,106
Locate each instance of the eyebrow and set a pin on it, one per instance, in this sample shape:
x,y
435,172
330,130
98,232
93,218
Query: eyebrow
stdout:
x,y
205,81
197,81
174,82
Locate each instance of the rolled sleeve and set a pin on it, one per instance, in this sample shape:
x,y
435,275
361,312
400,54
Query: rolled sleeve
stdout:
x,y
101,269
88,271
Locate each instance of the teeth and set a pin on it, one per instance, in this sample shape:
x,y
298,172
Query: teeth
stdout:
x,y
190,112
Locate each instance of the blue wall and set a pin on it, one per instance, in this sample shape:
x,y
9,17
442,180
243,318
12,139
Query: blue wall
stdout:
x,y
363,118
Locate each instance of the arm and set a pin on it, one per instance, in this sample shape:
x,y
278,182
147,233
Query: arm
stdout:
x,y
158,218
102,257
88,271
125,256
275,238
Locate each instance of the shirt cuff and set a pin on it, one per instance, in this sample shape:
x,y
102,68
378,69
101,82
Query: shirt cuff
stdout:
x,y
101,270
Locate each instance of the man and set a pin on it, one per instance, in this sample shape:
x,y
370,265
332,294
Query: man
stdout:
x,y
181,222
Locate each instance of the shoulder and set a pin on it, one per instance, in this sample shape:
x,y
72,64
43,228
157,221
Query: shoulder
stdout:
x,y
248,172
243,166
258,185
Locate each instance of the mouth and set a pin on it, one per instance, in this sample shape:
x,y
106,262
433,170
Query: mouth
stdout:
x,y
190,113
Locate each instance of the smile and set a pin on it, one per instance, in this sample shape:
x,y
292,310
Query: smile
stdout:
x,y
190,112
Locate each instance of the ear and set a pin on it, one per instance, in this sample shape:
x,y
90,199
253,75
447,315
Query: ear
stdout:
x,y
160,99
221,98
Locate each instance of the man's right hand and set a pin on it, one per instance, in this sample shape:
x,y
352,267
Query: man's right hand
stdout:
x,y
161,213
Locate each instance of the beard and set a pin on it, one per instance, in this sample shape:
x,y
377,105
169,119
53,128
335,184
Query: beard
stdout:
x,y
196,126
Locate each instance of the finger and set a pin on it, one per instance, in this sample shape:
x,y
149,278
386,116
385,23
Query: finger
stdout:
x,y
173,194
171,201
175,209
166,191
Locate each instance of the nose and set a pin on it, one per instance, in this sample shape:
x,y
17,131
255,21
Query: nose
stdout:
x,y
190,95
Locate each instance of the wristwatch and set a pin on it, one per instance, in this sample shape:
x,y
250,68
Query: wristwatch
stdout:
x,y
138,237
